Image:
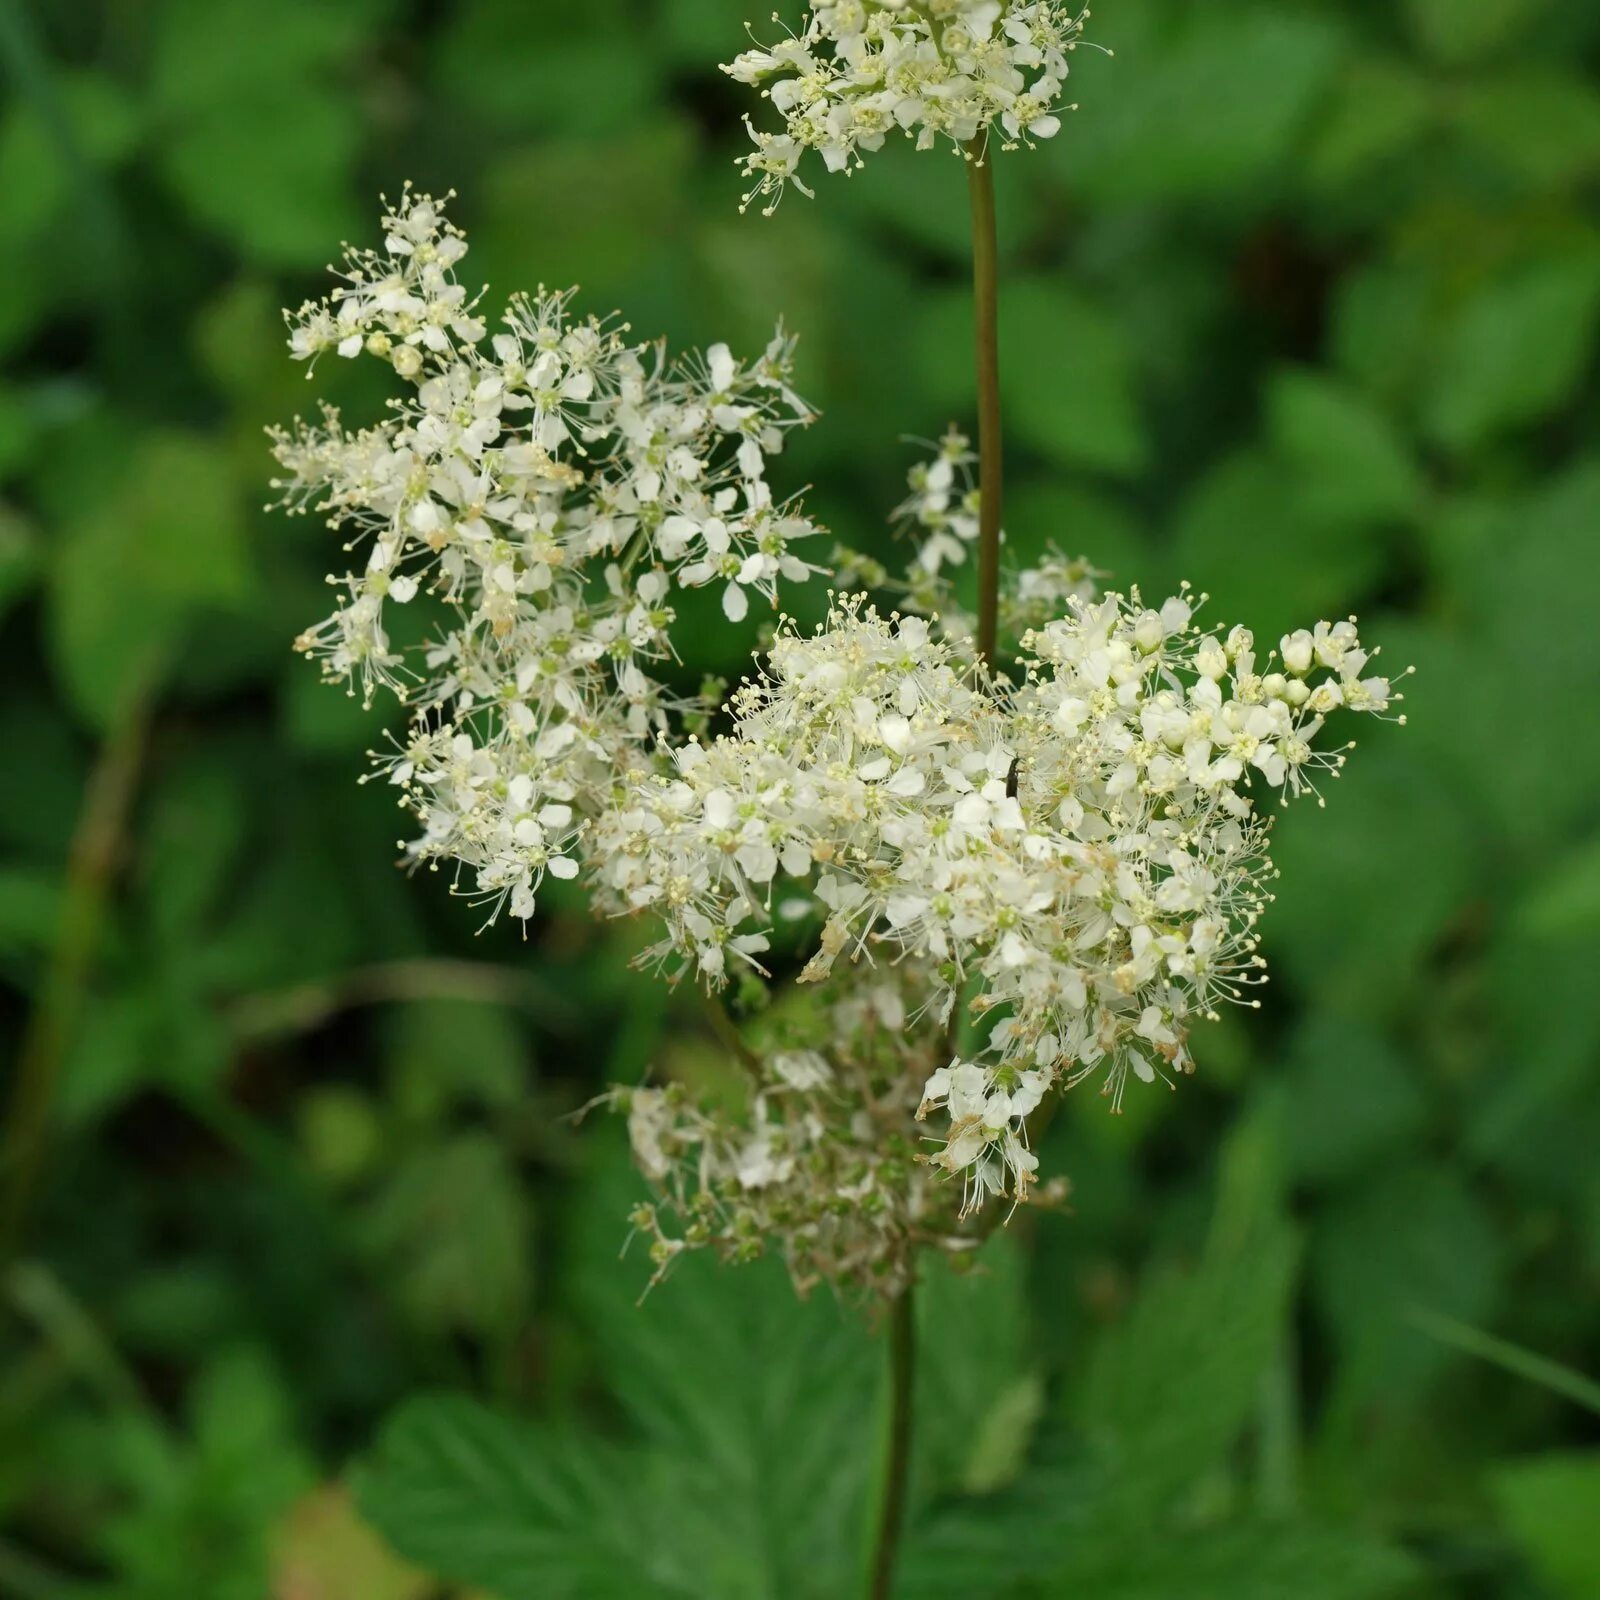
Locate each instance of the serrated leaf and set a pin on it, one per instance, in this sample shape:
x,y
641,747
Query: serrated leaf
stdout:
x,y
978,1393
1243,1561
529,1512
716,1366
1168,1390
986,1546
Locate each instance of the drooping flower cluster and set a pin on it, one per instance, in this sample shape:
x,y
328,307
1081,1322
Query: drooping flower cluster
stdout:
x,y
1080,857
825,1165
551,485
932,69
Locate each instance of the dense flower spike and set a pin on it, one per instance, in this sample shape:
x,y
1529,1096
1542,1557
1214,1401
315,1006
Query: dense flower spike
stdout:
x,y
933,69
1085,849
551,486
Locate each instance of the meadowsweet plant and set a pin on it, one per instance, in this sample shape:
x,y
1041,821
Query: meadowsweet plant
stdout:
x,y
1018,839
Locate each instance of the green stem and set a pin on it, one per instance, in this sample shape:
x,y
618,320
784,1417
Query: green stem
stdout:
x,y
897,1463
986,306
986,309
58,1004
1512,1358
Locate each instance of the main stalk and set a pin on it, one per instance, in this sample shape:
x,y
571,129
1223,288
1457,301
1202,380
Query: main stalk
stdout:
x,y
986,319
897,1456
986,307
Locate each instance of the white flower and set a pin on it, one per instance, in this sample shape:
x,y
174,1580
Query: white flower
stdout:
x,y
862,69
1086,846
546,490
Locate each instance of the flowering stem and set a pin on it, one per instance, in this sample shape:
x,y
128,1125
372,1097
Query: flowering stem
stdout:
x,y
897,1464
986,306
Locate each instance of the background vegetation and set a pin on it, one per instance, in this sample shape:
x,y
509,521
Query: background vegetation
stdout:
x,y
1301,304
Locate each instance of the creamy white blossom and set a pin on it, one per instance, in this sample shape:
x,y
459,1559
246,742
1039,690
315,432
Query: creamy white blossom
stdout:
x,y
1004,882
1083,850
862,70
544,490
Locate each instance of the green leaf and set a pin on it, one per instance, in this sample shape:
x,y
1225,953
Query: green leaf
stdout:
x,y
1515,351
1352,1098
167,542
1066,373
270,171
1337,926
1380,109
1349,459
206,52
1414,1237
450,1225
1216,101
30,910
1270,559
1456,33
1541,128
979,1393
1066,376
494,65
258,137
1243,1561
1168,1390
716,1366
1382,328
610,213
531,1513
753,1423
1552,1504
201,1506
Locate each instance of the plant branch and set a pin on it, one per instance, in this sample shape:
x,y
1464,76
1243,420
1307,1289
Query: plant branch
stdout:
x,y
986,318
307,1006
897,1458
58,1004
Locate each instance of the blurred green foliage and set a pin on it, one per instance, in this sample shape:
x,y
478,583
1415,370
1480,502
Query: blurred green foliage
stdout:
x,y
1302,305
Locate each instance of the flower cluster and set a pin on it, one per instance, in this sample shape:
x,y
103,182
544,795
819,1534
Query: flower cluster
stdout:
x,y
1014,879
549,486
939,516
823,1165
1078,861
933,69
